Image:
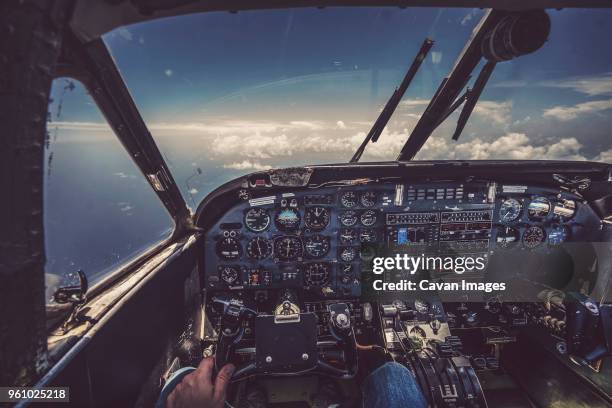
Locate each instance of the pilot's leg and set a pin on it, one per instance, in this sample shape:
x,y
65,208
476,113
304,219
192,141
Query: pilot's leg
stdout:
x,y
392,386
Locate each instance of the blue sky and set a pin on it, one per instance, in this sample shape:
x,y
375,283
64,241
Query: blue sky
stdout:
x,y
234,93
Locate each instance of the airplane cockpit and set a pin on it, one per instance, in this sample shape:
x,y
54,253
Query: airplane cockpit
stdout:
x,y
486,276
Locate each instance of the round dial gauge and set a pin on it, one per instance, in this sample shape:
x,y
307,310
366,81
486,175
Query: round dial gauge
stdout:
x,y
368,235
348,218
287,248
565,209
259,248
368,218
316,274
510,210
538,208
316,218
368,199
287,219
367,253
534,236
347,236
346,268
507,237
229,275
257,219
348,199
348,254
316,246
558,234
228,248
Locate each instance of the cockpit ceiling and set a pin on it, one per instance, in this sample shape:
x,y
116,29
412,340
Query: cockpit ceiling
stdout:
x,y
91,19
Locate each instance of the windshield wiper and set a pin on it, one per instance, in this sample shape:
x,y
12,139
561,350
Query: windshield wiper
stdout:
x,y
499,36
395,99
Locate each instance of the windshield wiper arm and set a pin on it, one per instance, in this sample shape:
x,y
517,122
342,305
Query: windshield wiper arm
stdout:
x,y
472,97
499,36
395,99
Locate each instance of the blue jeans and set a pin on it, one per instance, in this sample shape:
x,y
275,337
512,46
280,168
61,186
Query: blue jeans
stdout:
x,y
389,386
392,386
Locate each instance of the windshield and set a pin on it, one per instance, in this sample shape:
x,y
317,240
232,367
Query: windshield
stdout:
x,y
227,94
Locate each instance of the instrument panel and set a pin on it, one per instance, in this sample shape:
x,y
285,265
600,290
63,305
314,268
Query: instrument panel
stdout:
x,y
320,240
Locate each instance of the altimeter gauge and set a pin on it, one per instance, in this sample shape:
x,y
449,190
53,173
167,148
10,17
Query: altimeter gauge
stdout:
x,y
316,218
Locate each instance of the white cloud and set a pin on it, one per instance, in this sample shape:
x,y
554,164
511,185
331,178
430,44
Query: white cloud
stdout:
x,y
594,85
340,125
498,112
512,146
565,113
168,72
193,191
468,17
605,156
247,165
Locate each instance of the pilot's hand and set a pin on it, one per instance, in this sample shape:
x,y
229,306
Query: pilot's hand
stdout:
x,y
197,390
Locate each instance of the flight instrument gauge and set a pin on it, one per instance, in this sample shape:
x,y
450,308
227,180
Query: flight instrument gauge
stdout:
x,y
347,236
348,254
507,237
228,248
368,235
287,248
259,248
538,208
558,234
510,210
348,199
368,218
316,218
368,199
287,219
257,219
533,237
348,218
565,209
316,274
229,275
316,246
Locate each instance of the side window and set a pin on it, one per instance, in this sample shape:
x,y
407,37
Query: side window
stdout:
x,y
99,210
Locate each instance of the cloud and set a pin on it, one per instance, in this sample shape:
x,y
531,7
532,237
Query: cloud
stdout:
x,y
193,191
566,113
468,17
594,85
340,125
498,112
512,146
247,165
605,156
168,72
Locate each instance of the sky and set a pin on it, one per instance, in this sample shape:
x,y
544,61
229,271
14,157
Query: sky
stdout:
x,y
235,93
